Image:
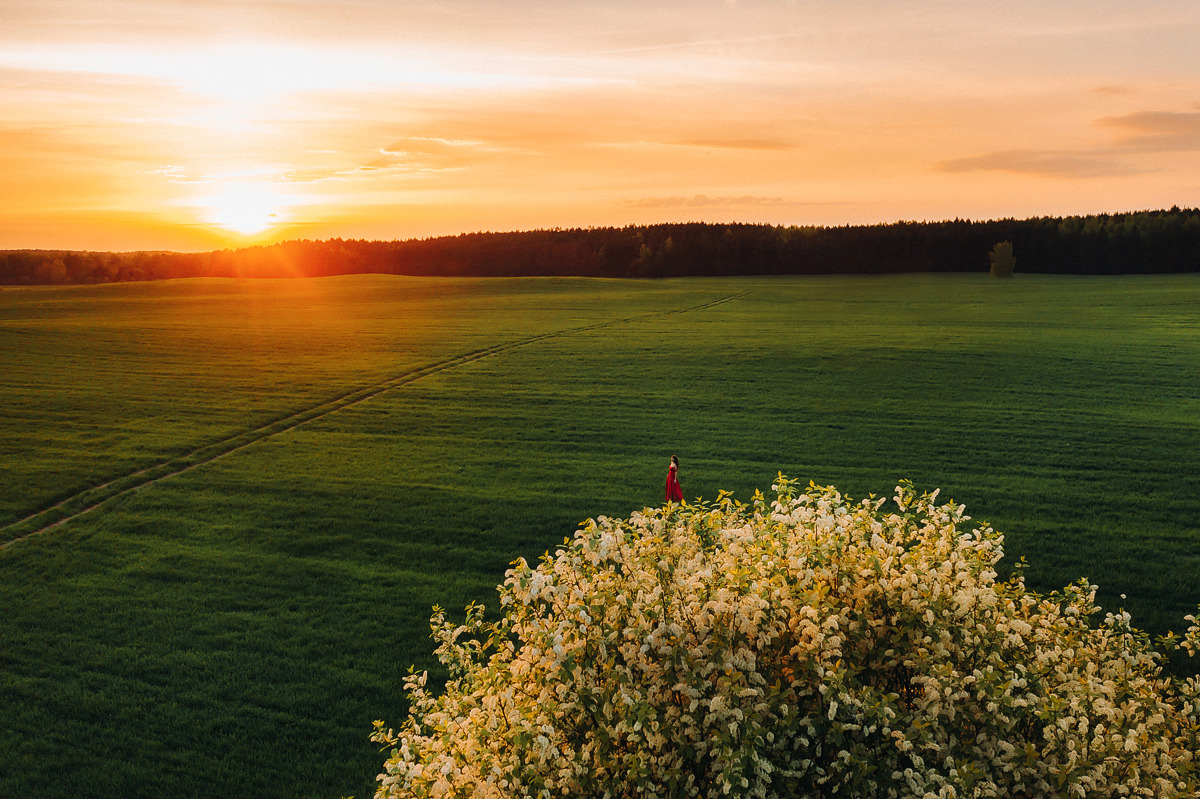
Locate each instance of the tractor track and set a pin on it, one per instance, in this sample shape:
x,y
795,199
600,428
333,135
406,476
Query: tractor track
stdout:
x,y
95,497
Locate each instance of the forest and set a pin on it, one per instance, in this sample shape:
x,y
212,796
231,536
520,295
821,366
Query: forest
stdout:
x,y
1140,242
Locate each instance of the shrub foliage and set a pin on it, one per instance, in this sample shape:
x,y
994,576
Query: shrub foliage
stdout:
x,y
807,647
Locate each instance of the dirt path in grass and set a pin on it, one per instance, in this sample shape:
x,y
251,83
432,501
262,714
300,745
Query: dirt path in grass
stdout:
x,y
92,498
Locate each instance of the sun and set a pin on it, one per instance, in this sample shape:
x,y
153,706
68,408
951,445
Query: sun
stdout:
x,y
245,208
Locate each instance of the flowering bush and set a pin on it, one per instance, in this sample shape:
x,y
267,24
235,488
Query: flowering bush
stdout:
x,y
807,647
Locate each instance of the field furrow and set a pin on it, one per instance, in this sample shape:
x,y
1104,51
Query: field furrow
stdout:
x,y
95,497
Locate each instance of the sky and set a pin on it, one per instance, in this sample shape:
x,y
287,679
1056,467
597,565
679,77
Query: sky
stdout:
x,y
202,124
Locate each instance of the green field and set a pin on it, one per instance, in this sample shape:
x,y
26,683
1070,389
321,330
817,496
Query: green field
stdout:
x,y
287,475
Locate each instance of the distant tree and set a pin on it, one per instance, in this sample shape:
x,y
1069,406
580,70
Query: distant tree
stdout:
x,y
1002,259
52,271
644,267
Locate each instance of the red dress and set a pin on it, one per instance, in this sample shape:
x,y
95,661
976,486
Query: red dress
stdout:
x,y
674,490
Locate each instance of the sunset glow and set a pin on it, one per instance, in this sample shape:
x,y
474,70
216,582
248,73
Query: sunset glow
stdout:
x,y
194,125
245,208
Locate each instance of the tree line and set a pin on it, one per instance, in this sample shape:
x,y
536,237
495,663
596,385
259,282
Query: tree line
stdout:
x,y
1140,242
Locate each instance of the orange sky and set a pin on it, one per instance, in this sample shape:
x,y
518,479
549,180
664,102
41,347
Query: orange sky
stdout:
x,y
194,124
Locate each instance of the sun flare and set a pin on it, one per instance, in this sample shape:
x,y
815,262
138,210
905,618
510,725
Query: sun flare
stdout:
x,y
245,208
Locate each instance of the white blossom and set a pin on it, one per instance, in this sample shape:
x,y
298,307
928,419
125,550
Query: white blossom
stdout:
x,y
719,649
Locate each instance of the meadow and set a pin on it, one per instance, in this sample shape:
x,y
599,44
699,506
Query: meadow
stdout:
x,y
264,486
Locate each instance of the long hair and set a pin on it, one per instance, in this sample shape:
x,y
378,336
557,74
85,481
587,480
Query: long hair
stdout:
x,y
675,461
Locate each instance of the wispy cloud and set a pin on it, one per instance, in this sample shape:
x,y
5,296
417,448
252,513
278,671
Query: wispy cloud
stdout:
x,y
704,201
176,174
692,44
427,155
1157,131
1139,133
1112,90
1046,163
740,144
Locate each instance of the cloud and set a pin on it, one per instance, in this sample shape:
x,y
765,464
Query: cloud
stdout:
x,y
1157,131
425,155
739,144
704,201
431,146
695,43
176,174
1112,90
315,175
1045,163
1139,133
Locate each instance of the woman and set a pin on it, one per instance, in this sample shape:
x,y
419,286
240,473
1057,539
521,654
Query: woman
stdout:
x,y
674,490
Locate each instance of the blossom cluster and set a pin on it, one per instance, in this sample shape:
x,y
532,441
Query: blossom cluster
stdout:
x,y
808,646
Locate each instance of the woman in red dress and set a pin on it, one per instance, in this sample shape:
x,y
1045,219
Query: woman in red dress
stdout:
x,y
674,490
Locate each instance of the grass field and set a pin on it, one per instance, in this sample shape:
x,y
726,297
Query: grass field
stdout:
x,y
287,475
